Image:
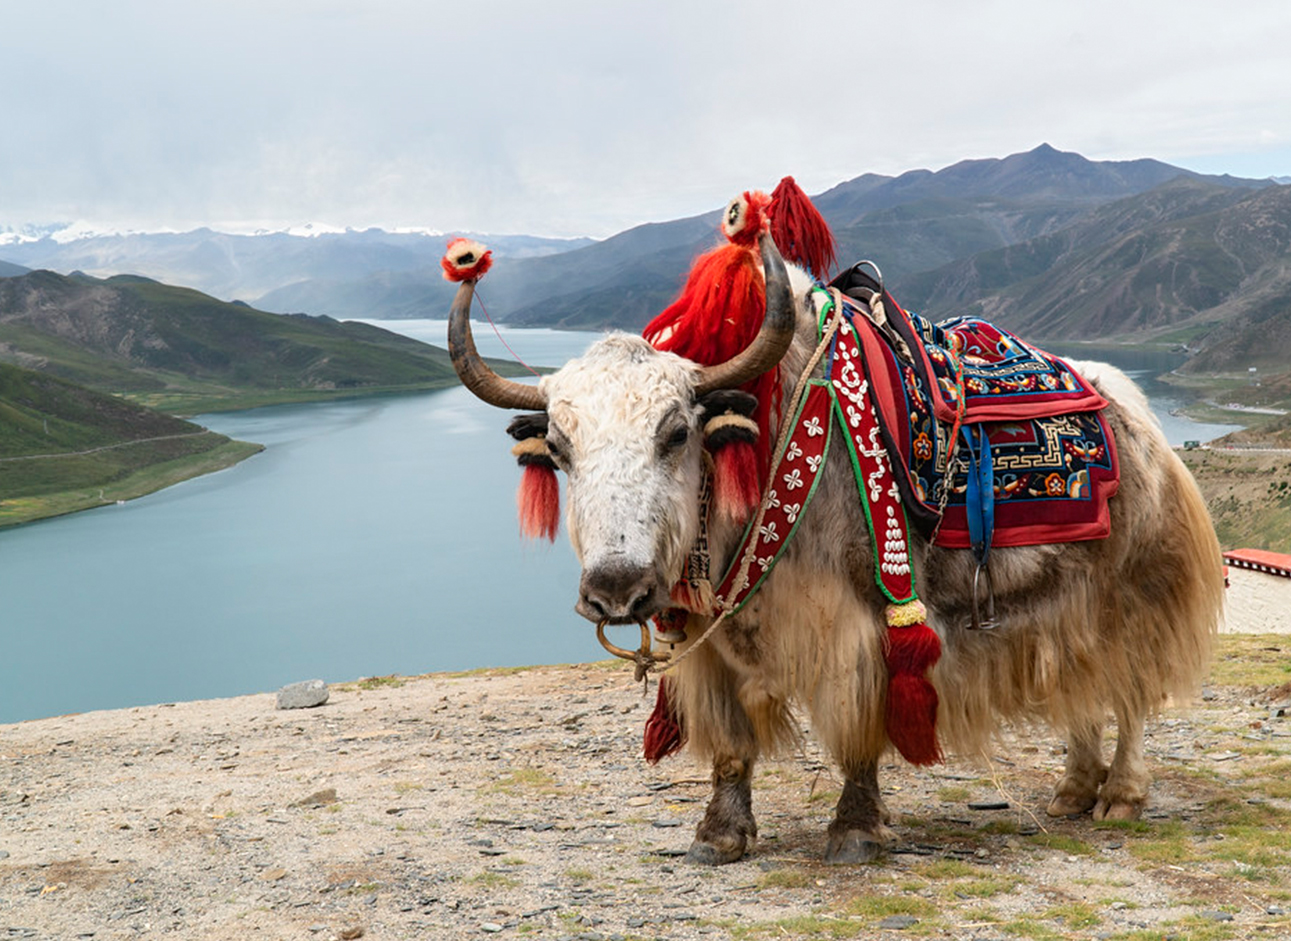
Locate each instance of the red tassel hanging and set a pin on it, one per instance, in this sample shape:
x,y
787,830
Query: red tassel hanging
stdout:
x,y
736,491
911,714
538,498
663,732
800,231
539,502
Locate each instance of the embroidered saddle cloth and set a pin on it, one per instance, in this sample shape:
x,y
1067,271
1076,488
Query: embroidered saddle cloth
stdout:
x,y
1052,456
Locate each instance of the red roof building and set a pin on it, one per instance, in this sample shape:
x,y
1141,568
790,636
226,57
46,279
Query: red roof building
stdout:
x,y
1260,560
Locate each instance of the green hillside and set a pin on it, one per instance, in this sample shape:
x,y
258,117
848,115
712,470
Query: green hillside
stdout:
x,y
183,351
65,448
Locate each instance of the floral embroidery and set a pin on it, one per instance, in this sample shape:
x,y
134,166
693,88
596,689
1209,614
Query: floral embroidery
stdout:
x,y
769,533
793,452
814,430
793,480
791,511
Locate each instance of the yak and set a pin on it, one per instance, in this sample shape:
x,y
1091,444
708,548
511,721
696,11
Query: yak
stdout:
x,y
1083,631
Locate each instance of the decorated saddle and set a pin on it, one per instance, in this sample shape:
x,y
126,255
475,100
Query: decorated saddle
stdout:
x,y
979,423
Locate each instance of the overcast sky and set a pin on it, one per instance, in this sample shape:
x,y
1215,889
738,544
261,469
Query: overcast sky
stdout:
x,y
585,118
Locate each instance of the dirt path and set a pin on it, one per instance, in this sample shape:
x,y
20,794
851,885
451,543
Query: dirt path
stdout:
x,y
516,804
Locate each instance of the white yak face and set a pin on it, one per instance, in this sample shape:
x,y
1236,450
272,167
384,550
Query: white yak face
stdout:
x,y
624,427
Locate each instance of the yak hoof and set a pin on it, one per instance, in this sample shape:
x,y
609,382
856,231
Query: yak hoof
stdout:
x,y
710,854
1118,810
1068,805
850,847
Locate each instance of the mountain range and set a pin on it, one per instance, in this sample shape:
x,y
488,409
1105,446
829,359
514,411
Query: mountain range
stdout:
x,y
177,346
1047,242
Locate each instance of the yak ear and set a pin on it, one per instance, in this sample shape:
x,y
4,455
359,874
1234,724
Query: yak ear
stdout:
x,y
538,498
731,436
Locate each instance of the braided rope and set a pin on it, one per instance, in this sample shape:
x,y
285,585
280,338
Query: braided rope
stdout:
x,y
782,442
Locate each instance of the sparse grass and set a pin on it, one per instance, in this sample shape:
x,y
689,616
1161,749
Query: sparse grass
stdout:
x,y
784,879
525,779
393,681
493,880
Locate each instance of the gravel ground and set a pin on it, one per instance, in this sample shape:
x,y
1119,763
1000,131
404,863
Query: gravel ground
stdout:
x,y
515,803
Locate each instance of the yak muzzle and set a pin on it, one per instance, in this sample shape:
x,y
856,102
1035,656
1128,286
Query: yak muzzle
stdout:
x,y
620,594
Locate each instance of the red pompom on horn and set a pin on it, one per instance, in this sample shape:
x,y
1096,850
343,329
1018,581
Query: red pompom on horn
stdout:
x,y
745,218
913,648
800,231
465,260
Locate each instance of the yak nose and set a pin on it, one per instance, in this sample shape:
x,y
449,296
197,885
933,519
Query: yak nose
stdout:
x,y
620,594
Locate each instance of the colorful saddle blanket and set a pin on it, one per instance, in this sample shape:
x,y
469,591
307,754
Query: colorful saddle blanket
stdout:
x,y
1052,455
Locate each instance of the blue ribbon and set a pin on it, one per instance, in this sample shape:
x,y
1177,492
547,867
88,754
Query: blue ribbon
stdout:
x,y
979,499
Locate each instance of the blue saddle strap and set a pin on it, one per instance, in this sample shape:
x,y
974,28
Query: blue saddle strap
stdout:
x,y
979,498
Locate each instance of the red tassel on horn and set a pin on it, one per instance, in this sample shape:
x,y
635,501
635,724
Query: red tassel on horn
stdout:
x,y
913,649
717,314
800,231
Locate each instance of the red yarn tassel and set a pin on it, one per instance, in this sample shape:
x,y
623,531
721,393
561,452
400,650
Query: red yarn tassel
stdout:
x,y
717,314
736,492
663,733
911,713
800,231
539,502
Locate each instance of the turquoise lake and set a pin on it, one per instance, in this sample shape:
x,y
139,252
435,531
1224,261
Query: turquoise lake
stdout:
x,y
373,536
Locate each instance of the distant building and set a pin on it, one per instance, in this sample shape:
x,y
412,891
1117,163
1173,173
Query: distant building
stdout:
x,y
1259,592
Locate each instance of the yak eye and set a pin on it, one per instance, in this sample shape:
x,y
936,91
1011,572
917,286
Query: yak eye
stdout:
x,y
553,449
680,435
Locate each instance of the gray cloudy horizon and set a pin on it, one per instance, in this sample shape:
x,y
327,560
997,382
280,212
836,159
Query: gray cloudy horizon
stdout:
x,y
581,118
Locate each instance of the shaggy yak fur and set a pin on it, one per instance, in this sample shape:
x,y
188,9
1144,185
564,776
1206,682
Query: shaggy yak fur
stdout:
x,y
1086,631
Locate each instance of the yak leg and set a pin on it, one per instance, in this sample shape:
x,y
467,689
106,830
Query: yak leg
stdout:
x,y
858,831
1077,792
1126,790
728,829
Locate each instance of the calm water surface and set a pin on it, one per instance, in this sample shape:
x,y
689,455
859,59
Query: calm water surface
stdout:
x,y
373,536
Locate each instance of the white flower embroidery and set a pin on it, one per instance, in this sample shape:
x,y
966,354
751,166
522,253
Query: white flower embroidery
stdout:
x,y
772,500
813,462
769,533
791,511
793,480
813,428
766,563
793,452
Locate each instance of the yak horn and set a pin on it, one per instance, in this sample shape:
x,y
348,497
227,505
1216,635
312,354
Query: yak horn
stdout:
x,y
475,375
772,341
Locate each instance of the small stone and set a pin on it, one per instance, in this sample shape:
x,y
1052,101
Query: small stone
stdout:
x,y
1217,916
317,799
663,822
899,922
492,927
1275,910
303,695
350,933
273,875
988,805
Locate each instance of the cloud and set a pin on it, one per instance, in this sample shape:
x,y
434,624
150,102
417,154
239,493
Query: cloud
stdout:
x,y
584,118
